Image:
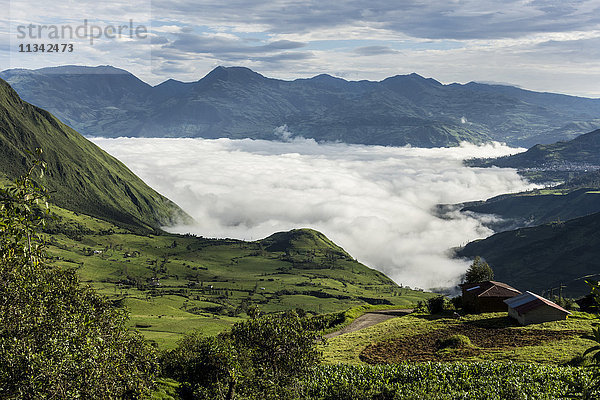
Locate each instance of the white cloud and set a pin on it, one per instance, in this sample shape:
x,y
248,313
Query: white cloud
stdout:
x,y
376,202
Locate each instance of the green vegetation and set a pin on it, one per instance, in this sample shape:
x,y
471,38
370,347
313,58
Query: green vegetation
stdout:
x,y
545,257
448,381
172,284
264,356
573,199
81,177
479,271
495,337
58,339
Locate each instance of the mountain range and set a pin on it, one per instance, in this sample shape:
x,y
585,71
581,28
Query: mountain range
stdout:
x,y
237,102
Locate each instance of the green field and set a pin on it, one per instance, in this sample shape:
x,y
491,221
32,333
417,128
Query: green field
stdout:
x,y
494,337
172,284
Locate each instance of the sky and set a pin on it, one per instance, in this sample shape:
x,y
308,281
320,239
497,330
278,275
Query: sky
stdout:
x,y
376,202
543,45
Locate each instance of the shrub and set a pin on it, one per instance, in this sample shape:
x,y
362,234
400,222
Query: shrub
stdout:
x,y
57,338
436,305
263,357
455,342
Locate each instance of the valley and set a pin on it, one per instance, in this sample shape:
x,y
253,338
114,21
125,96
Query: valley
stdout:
x,y
172,284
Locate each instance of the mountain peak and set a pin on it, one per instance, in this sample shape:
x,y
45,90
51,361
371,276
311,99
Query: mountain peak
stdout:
x,y
82,69
233,74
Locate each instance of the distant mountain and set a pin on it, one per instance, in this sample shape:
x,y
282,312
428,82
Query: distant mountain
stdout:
x,y
544,257
559,161
236,102
575,198
80,176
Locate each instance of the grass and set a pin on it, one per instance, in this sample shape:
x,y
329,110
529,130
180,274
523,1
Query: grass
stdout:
x,y
172,284
419,337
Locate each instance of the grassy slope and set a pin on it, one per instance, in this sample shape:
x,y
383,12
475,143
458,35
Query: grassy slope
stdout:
x,y
208,284
543,257
541,206
81,176
378,342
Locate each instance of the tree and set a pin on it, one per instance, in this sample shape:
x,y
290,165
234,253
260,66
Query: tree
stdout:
x,y
263,357
479,271
58,339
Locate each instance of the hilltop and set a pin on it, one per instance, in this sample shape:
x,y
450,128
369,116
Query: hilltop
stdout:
x,y
172,284
237,102
80,176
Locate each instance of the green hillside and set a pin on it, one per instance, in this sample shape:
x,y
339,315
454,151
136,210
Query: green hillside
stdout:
x,y
542,258
172,283
81,177
575,198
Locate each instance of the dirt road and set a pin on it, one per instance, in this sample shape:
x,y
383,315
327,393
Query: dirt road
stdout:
x,y
369,319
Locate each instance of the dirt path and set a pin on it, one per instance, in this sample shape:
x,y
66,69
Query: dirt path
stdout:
x,y
369,319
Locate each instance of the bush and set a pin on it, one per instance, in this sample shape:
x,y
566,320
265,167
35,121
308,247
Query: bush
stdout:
x,y
455,342
57,338
436,305
263,357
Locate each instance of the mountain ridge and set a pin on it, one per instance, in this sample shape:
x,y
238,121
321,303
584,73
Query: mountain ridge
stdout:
x,y
80,176
237,102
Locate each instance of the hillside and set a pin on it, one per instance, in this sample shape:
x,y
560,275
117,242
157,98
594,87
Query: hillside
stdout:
x,y
575,198
175,283
236,102
544,257
80,176
560,160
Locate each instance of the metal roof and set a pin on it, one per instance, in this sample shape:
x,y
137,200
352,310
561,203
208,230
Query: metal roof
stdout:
x,y
490,289
530,301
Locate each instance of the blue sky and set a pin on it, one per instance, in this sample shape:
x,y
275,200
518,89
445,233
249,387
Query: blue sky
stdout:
x,y
540,45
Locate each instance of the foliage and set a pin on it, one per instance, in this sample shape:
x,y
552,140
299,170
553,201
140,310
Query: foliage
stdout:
x,y
437,304
595,337
447,381
479,271
57,338
80,175
455,342
263,357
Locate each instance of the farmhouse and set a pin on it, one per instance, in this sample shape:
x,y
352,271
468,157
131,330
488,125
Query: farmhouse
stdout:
x,y
486,296
529,308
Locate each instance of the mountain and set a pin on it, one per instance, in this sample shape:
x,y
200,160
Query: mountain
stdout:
x,y
581,151
544,257
575,198
81,177
558,161
237,102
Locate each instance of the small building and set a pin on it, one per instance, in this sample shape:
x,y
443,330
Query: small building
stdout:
x,y
530,308
486,296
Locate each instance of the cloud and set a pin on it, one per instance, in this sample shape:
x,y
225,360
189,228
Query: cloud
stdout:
x,y
226,44
376,202
374,50
470,19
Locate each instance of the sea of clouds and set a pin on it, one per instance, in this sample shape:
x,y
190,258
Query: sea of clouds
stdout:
x,y
376,202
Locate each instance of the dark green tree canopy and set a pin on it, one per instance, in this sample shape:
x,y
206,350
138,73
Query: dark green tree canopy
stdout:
x,y
479,271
